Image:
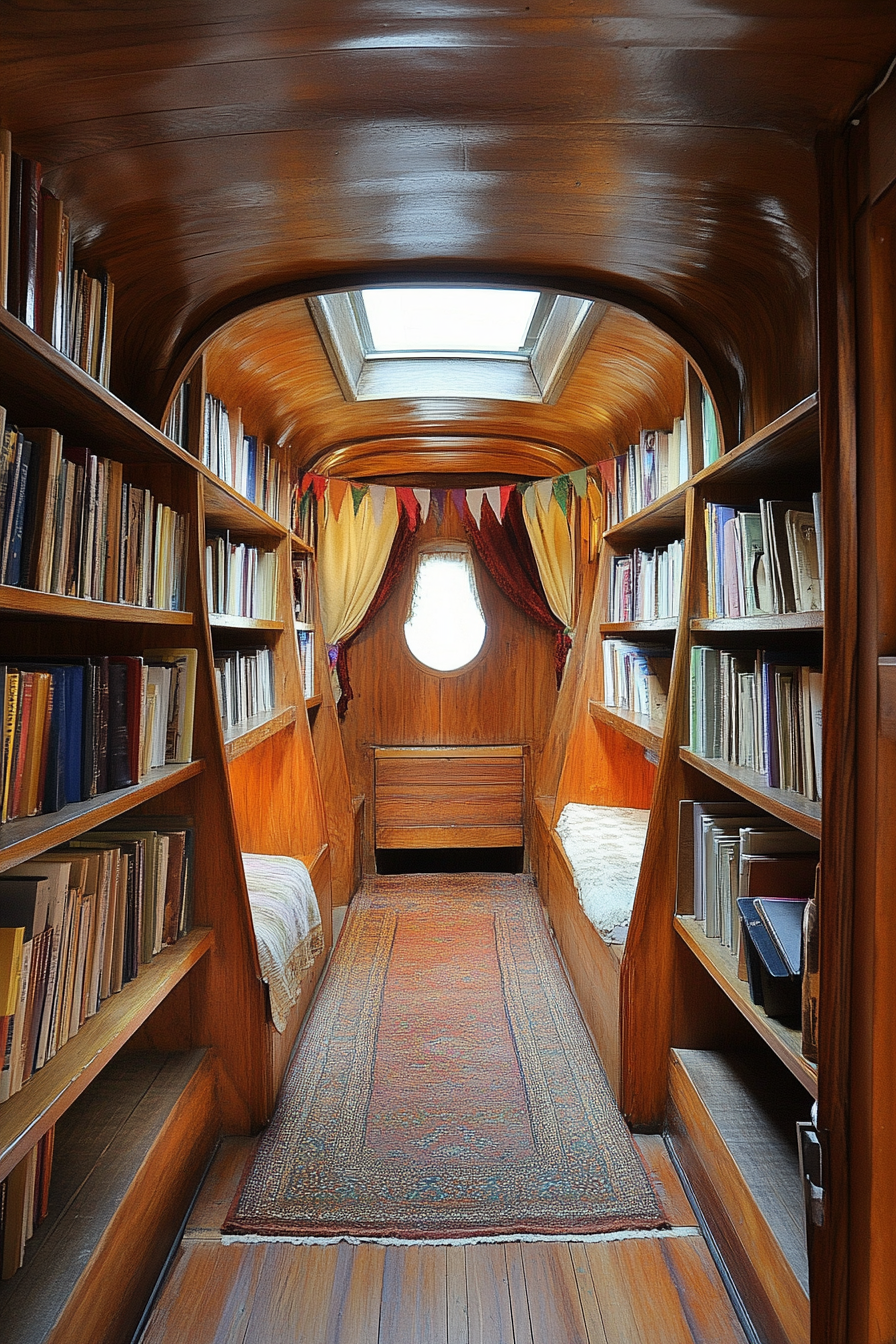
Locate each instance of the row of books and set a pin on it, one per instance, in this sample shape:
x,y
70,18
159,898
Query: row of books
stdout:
x,y
646,585
238,458
305,640
244,679
657,463
768,560
24,1202
636,678
70,524
40,283
76,727
240,580
75,925
749,881
759,710
304,596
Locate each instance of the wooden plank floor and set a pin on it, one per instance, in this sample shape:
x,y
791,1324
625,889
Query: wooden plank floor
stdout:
x,y
644,1291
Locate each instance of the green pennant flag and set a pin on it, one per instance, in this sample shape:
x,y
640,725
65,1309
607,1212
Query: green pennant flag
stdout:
x,y
579,482
561,492
358,493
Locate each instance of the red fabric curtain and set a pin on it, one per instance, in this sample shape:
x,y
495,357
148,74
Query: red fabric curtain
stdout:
x,y
398,555
506,551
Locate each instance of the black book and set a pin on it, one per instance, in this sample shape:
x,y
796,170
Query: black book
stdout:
x,y
118,755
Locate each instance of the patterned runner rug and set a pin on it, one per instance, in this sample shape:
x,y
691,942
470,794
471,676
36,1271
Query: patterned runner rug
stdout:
x,y
444,1087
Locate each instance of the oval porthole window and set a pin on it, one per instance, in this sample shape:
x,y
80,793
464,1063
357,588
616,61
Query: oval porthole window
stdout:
x,y
445,628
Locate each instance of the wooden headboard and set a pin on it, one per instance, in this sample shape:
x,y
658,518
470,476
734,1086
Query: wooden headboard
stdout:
x,y
448,797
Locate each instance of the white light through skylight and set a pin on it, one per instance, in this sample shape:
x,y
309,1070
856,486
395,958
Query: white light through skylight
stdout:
x,y
449,319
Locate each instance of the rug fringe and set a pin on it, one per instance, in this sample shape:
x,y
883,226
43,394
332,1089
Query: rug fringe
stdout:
x,y
235,1238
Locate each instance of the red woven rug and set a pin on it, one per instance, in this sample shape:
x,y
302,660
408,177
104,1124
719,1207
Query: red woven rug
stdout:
x,y
444,1087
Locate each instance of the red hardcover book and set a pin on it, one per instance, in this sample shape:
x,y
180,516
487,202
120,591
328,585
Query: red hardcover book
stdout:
x,y
26,694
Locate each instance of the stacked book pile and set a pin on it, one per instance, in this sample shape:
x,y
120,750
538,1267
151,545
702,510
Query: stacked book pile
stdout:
x,y
646,585
39,281
70,524
751,877
240,580
653,466
766,561
75,925
76,727
238,458
24,1202
244,679
306,654
636,678
758,710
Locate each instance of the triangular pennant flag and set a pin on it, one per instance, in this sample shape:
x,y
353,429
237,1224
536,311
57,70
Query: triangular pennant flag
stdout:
x,y
544,490
579,482
529,501
407,501
474,504
506,492
422,498
607,469
594,498
358,493
493,495
459,499
337,493
438,498
318,485
561,492
306,483
378,501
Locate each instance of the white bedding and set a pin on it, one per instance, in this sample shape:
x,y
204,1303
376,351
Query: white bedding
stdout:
x,y
605,846
287,924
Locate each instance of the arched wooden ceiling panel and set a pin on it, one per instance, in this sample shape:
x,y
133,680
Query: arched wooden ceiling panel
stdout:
x,y
212,151
271,364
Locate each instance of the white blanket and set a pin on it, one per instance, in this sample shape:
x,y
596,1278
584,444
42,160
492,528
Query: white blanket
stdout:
x,y
287,926
605,846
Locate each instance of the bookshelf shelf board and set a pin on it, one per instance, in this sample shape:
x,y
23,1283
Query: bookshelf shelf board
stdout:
x,y
299,545
304,625
30,1112
31,603
28,837
313,701
790,807
242,623
239,740
789,443
638,727
226,508
761,625
664,625
744,1121
662,520
722,966
40,386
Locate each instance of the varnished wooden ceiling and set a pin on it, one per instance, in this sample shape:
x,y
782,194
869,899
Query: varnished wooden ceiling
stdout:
x,y
660,153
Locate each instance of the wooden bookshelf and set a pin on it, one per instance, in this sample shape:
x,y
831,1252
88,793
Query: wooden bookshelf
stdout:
x,y
314,701
785,1041
663,626
28,602
796,621
218,622
258,729
791,807
648,732
227,510
26,837
29,1113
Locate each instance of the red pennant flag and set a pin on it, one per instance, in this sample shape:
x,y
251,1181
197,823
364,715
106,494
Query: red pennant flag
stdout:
x,y
506,492
407,500
319,486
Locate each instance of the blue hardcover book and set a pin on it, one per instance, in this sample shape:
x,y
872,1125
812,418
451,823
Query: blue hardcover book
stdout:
x,y
251,443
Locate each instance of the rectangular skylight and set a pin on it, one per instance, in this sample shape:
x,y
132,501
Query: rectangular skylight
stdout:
x,y
436,319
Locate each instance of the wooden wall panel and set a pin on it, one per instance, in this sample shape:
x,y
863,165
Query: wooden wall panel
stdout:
x,y
507,696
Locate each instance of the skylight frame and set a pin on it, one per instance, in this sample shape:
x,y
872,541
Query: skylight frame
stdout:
x,y
559,331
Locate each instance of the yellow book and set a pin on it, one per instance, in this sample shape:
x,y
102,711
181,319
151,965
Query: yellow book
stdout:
x,y
10,709
10,969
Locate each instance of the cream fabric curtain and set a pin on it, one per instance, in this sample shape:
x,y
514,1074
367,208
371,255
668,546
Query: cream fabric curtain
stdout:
x,y
352,551
551,539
